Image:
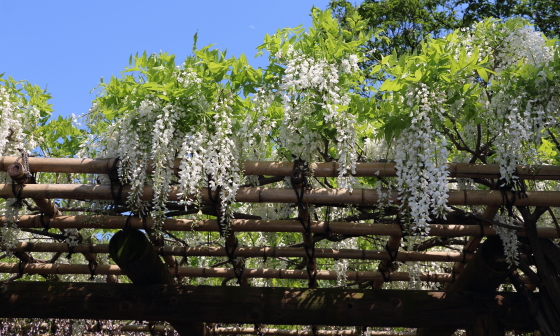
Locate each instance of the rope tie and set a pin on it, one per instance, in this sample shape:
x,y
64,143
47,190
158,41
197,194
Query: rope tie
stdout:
x,y
92,265
517,189
215,201
19,183
392,257
115,180
386,274
237,269
299,177
21,268
43,223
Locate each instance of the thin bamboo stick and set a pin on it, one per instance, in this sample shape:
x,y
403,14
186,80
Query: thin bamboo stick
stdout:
x,y
319,169
208,272
253,252
254,225
280,195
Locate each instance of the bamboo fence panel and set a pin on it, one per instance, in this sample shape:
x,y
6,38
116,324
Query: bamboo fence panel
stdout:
x,y
257,225
252,252
209,272
282,195
319,169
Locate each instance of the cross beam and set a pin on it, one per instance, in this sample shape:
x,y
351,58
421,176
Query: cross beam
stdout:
x,y
332,306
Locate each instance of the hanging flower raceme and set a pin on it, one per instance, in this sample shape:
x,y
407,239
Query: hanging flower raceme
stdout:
x,y
20,122
173,112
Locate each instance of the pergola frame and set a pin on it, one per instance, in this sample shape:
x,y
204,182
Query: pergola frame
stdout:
x,y
459,307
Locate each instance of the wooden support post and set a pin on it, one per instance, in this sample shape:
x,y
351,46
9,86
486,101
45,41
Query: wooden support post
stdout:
x,y
484,273
473,242
282,306
134,254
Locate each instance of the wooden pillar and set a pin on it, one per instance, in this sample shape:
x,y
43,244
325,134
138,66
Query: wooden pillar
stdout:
x,y
482,274
135,255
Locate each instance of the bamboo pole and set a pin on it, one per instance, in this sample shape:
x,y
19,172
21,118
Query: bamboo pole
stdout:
x,y
208,272
281,195
319,169
254,225
19,174
254,252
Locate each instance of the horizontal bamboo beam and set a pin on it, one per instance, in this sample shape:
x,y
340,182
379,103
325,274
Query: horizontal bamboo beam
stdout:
x,y
283,195
254,252
257,225
280,306
269,168
209,272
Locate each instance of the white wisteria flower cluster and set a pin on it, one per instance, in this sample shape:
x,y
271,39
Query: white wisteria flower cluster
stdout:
x,y
420,158
17,122
309,84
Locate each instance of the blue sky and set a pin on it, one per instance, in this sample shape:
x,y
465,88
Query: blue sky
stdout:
x,y
67,46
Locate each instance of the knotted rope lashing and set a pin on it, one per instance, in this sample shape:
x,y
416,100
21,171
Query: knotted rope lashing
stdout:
x,y
517,189
18,182
238,267
300,184
113,174
92,265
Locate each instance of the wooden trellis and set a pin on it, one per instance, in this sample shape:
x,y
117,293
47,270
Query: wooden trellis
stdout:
x,y
469,298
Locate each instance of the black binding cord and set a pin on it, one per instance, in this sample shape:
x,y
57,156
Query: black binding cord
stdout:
x,y
299,177
237,269
92,265
392,257
46,225
386,274
115,180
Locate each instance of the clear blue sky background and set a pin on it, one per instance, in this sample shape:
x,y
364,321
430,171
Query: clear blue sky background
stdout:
x,y
67,46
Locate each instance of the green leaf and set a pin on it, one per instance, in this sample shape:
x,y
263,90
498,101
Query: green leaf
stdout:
x,y
482,73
